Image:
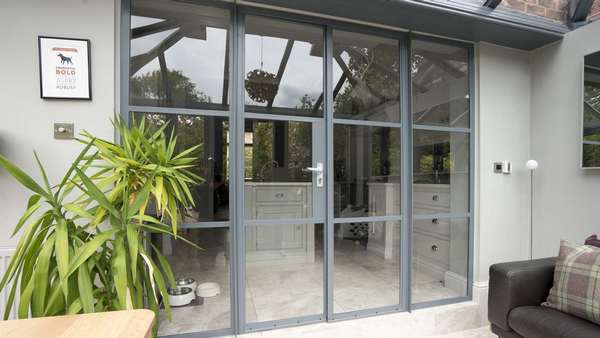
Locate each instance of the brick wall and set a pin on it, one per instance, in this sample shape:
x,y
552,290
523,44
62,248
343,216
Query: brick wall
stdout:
x,y
595,11
551,9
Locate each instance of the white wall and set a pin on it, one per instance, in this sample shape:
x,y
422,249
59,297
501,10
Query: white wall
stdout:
x,y
502,216
27,121
567,198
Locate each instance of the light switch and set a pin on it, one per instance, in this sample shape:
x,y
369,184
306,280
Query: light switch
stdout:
x,y
504,167
64,131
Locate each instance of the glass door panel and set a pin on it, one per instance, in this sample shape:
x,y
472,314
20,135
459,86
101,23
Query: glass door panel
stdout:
x,y
367,173
441,161
281,178
440,172
439,259
366,271
284,172
284,271
209,266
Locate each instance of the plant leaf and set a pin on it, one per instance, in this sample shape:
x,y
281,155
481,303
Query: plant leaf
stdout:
x,y
40,276
119,272
166,267
95,193
133,244
32,208
85,251
22,177
61,247
84,283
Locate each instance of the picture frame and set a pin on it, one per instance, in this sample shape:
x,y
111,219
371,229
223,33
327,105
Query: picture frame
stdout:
x,y
65,68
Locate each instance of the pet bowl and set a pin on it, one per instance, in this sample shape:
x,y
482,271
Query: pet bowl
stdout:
x,y
208,290
180,296
186,283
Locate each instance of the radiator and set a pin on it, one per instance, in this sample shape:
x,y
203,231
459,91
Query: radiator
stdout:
x,y
5,254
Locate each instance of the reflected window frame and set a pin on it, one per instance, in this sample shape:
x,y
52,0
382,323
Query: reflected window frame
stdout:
x,y
339,62
590,149
445,69
162,93
316,109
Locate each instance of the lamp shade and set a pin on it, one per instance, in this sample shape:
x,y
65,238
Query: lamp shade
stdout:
x,y
531,164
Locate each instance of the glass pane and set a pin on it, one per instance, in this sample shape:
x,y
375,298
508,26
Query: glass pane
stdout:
x,y
179,55
210,269
366,272
366,171
440,172
284,67
284,271
440,84
366,77
211,197
440,259
277,186
591,155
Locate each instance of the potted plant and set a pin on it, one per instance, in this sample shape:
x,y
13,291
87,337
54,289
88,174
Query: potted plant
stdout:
x,y
85,243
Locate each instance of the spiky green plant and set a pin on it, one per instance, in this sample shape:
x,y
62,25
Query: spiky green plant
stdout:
x,y
85,245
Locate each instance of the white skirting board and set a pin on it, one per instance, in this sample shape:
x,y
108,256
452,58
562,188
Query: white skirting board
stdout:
x,y
5,254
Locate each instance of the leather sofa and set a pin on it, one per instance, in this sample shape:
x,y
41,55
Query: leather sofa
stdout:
x,y
516,291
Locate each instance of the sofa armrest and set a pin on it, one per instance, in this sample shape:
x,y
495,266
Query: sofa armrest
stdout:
x,y
517,284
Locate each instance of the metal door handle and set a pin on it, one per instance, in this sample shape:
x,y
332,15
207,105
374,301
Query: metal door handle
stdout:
x,y
319,171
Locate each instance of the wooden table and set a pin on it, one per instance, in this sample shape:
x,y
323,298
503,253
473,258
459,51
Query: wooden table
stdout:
x,y
126,324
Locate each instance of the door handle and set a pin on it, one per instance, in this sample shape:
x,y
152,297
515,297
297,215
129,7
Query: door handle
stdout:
x,y
319,171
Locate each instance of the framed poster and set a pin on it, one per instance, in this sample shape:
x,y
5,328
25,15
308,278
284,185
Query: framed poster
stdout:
x,y
64,68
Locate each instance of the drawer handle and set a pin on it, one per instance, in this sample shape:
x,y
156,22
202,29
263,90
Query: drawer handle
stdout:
x,y
434,248
279,195
435,198
435,221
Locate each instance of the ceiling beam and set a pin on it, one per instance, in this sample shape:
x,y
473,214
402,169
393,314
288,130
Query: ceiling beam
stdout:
x,y
284,60
579,11
492,3
154,28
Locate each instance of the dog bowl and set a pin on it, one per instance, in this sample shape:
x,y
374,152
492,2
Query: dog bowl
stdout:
x,y
186,283
208,290
180,296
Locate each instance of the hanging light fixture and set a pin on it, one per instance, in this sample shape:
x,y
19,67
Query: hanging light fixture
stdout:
x,y
261,85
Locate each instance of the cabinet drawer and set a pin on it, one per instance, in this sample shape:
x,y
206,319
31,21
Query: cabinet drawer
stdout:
x,y
435,225
433,248
434,199
279,194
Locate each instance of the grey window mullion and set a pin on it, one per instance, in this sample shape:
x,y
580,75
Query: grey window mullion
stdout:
x,y
367,219
442,216
204,225
279,221
441,128
238,165
179,111
329,227
124,50
367,123
407,176
277,117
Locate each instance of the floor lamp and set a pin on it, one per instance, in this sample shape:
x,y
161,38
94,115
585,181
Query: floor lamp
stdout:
x,y
532,166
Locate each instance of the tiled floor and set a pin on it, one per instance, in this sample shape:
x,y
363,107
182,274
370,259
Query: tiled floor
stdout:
x,y
482,332
362,280
451,321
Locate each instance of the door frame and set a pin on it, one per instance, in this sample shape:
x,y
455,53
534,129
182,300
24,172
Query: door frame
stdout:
x,y
236,122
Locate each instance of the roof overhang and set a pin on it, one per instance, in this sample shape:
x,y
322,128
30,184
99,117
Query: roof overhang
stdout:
x,y
459,19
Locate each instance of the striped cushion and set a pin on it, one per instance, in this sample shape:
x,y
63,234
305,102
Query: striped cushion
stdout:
x,y
576,288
